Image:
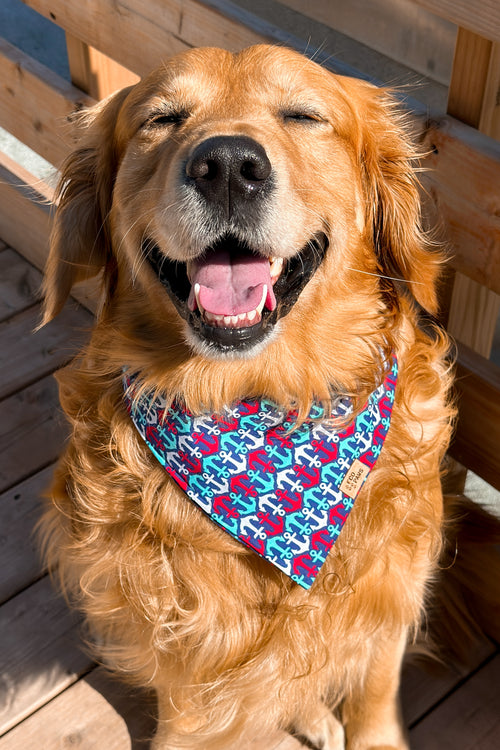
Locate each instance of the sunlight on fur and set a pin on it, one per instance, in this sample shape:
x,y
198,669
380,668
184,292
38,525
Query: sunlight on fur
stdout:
x,y
229,642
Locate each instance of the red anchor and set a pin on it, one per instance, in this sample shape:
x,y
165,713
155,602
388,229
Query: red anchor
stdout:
x,y
329,454
321,539
249,407
153,437
193,464
301,562
312,478
291,503
212,443
237,484
277,434
227,425
336,516
258,546
349,430
257,457
379,434
223,503
275,527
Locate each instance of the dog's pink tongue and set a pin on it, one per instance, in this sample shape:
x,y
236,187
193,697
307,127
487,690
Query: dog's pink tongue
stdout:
x,y
231,285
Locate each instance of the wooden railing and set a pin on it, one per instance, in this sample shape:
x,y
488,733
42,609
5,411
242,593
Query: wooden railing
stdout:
x,y
112,42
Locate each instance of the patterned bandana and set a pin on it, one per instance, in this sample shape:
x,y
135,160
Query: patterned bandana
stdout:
x,y
284,493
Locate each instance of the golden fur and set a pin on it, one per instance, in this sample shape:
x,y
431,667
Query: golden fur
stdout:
x,y
230,644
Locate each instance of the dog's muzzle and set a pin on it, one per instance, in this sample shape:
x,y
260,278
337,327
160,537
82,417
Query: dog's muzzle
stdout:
x,y
232,294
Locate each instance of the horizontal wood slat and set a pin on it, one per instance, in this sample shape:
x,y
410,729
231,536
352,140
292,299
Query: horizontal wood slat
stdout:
x,y
25,220
96,712
134,33
400,30
35,104
469,720
480,16
32,432
40,652
463,178
477,439
27,354
20,284
20,509
25,215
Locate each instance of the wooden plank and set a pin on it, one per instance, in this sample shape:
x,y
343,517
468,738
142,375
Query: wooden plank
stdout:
x,y
396,28
20,284
471,67
32,432
136,34
20,560
463,179
480,16
36,103
468,720
40,652
92,72
473,314
477,436
25,221
98,712
473,99
27,355
423,687
25,214
489,121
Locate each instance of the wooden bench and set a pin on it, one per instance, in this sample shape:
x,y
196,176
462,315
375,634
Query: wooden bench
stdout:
x,y
112,42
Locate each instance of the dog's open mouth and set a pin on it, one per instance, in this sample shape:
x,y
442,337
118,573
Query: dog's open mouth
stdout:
x,y
231,295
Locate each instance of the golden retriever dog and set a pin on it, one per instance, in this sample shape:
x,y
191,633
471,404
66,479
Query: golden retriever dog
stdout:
x,y
256,222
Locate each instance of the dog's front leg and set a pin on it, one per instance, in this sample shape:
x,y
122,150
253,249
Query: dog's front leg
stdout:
x,y
372,715
322,730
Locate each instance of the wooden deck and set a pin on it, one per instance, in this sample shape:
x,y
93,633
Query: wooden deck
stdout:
x,y
51,694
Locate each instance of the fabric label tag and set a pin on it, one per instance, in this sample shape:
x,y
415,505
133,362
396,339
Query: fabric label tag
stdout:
x,y
354,479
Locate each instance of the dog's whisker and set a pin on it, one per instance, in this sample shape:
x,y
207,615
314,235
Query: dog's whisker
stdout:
x,y
384,276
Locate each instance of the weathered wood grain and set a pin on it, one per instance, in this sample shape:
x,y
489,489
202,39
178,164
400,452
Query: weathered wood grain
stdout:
x,y
32,432
25,221
477,438
20,508
480,16
92,72
20,283
468,720
36,103
40,652
27,354
25,214
134,33
98,712
424,686
401,30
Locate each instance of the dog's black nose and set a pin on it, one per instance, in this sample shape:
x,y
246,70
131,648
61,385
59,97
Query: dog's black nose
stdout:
x,y
229,169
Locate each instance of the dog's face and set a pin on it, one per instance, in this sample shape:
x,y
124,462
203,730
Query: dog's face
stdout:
x,y
239,187
236,179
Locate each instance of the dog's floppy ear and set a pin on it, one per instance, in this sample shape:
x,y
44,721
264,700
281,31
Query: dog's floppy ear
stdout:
x,y
80,243
393,202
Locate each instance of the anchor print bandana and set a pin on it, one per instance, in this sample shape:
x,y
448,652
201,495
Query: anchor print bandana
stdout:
x,y
285,493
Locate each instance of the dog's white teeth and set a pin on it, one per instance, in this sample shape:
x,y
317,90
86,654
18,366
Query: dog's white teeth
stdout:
x,y
261,304
197,295
276,268
231,321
